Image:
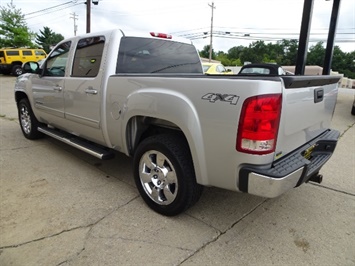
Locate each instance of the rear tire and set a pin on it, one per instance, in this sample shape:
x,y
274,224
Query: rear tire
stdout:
x,y
28,122
164,174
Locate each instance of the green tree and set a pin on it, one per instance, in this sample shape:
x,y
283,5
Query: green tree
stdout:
x,y
256,52
223,58
235,52
316,55
205,53
275,52
47,38
343,62
289,50
236,62
14,31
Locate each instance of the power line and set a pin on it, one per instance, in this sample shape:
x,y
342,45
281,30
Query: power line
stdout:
x,y
263,38
52,11
39,11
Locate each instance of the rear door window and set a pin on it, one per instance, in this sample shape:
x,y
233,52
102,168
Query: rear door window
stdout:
x,y
26,52
148,55
88,57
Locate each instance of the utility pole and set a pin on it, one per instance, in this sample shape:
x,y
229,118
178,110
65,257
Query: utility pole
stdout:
x,y
75,18
210,54
88,15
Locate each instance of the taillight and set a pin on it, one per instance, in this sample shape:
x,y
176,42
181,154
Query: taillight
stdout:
x,y
161,35
259,124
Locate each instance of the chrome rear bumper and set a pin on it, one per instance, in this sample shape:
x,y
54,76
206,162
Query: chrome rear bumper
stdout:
x,y
289,171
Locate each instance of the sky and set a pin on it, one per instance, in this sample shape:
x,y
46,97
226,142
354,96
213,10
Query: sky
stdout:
x,y
235,22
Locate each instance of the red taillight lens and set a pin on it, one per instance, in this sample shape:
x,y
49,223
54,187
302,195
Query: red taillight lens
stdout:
x,y
161,35
259,124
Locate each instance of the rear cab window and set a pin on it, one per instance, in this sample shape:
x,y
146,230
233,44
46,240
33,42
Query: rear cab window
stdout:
x,y
147,55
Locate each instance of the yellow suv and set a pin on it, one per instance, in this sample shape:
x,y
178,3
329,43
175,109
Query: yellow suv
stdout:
x,y
11,59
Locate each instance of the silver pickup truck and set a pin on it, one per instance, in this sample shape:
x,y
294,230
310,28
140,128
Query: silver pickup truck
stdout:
x,y
147,97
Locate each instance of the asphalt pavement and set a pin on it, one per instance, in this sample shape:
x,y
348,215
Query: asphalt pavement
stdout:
x,y
60,206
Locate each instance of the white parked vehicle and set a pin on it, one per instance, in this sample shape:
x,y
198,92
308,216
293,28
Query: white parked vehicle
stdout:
x,y
147,97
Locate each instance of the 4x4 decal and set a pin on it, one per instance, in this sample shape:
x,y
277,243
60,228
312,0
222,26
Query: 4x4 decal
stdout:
x,y
213,97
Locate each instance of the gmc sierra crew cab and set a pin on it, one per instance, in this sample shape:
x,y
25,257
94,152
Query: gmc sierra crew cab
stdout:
x,y
147,97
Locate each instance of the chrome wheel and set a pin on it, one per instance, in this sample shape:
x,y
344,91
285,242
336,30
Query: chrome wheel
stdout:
x,y
158,177
164,174
25,119
28,122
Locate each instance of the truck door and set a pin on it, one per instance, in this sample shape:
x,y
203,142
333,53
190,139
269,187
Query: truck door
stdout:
x,y
48,89
83,93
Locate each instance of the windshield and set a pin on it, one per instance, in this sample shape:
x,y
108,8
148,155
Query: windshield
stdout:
x,y
147,55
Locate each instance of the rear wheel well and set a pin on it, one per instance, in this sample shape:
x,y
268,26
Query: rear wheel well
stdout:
x,y
141,127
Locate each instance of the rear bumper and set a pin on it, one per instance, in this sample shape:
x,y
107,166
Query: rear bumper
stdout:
x,y
289,171
5,66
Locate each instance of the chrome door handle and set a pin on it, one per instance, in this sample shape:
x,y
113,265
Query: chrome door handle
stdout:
x,y
91,91
57,88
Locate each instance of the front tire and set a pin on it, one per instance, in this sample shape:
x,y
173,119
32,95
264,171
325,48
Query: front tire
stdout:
x,y
28,122
164,174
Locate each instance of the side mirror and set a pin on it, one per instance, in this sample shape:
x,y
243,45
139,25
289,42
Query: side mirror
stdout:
x,y
30,67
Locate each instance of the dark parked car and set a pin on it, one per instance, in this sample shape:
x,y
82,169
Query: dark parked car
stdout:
x,y
263,69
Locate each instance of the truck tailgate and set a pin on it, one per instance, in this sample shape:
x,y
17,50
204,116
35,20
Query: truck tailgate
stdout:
x,y
307,110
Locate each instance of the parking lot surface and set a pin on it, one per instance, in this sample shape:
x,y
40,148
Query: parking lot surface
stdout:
x,y
60,206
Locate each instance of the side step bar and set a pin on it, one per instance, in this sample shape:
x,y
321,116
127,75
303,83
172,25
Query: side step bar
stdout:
x,y
76,142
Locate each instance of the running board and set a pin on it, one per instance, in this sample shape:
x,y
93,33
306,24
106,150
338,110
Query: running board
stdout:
x,y
76,142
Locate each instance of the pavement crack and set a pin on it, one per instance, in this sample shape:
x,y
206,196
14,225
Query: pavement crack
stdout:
x,y
91,225
142,241
349,126
45,237
221,233
333,189
71,259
